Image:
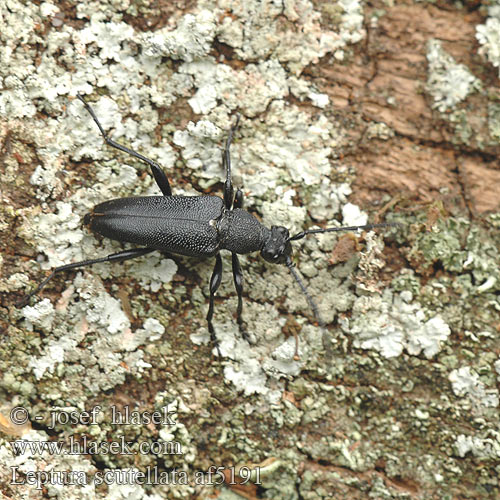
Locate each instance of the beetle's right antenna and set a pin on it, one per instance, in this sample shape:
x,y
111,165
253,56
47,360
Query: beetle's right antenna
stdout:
x,y
302,234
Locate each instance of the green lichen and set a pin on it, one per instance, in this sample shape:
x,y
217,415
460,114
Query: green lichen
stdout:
x,y
448,82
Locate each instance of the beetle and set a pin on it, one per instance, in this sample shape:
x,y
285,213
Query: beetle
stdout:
x,y
195,226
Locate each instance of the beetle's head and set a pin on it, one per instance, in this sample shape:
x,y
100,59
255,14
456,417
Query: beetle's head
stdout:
x,y
277,247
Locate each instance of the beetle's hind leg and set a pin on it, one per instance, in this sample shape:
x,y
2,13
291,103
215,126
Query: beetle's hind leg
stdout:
x,y
158,174
114,257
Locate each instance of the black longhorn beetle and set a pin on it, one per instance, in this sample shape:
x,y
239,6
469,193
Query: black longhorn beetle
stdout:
x,y
197,226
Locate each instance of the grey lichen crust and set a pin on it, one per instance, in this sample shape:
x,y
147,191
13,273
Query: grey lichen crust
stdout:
x,y
125,334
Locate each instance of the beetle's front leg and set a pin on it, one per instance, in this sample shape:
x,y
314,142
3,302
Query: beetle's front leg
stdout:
x,y
215,281
238,199
238,284
226,162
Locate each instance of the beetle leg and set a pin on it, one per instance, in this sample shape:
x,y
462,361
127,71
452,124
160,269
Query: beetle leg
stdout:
x,y
114,257
158,174
226,162
238,284
214,285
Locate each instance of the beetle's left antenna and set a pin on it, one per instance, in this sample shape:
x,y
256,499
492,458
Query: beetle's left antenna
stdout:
x,y
312,304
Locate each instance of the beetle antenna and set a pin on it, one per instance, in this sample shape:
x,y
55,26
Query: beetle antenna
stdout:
x,y
313,306
301,235
298,279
